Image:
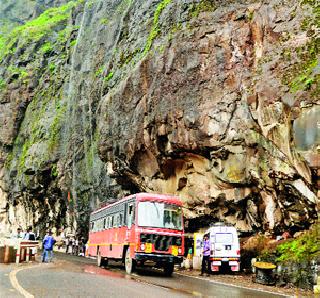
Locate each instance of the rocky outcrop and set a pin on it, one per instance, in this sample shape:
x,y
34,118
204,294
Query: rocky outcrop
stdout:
x,y
216,102
18,12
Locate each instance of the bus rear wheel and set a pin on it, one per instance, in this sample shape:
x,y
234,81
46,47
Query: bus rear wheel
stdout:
x,y
101,261
129,262
168,269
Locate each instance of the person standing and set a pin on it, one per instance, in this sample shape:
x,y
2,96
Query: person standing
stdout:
x,y
84,247
67,244
48,242
80,251
205,265
19,234
76,246
29,235
73,244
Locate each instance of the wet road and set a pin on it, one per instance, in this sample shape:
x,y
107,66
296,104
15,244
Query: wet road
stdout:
x,y
71,276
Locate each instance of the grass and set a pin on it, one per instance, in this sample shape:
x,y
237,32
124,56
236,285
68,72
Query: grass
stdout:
x,y
99,71
21,72
52,67
109,76
2,84
155,30
36,29
54,171
46,48
56,126
305,75
203,5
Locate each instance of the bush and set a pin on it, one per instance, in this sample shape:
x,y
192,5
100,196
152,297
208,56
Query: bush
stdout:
x,y
303,248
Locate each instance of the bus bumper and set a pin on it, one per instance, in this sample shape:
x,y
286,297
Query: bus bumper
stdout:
x,y
142,257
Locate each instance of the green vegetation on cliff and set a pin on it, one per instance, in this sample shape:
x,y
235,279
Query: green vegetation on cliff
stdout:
x,y
36,29
305,75
203,5
302,248
155,30
44,45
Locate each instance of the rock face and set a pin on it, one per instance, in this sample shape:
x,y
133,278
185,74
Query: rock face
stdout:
x,y
215,102
15,13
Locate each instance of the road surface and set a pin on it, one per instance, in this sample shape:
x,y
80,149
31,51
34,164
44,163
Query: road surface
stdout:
x,y
70,276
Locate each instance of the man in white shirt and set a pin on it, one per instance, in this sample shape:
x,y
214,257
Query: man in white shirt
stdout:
x,y
19,235
29,235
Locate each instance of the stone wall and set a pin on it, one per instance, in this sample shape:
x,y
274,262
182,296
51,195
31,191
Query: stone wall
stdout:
x,y
303,274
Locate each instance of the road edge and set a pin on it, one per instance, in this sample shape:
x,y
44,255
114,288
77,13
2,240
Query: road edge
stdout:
x,y
232,285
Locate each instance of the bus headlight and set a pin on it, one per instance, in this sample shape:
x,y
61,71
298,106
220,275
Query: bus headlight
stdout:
x,y
179,250
142,246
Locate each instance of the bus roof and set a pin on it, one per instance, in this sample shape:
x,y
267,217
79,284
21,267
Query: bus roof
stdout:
x,y
143,196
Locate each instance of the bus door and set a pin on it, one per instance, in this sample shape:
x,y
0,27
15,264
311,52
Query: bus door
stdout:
x,y
130,232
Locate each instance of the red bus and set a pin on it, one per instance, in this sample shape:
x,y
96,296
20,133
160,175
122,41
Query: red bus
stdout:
x,y
143,229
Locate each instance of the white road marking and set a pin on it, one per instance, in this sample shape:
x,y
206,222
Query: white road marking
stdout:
x,y
236,286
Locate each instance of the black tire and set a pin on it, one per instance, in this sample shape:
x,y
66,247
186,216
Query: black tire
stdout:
x,y
168,269
104,262
129,263
101,261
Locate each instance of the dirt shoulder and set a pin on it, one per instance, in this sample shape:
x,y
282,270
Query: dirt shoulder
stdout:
x,y
245,280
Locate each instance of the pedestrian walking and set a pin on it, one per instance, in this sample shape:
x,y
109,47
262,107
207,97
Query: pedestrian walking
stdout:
x,y
205,265
48,242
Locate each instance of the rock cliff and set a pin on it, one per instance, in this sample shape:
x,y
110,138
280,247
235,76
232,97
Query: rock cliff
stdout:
x,y
215,101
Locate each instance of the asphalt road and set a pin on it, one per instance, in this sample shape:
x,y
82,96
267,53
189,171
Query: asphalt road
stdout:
x,y
70,276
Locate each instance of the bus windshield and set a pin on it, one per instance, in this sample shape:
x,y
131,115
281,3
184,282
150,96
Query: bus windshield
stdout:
x,y
159,215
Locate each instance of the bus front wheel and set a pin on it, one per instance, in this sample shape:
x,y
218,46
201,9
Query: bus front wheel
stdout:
x,y
168,269
129,262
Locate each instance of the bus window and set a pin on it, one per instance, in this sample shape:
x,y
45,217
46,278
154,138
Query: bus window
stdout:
x,y
130,215
112,221
120,219
104,223
117,220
